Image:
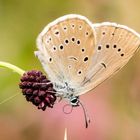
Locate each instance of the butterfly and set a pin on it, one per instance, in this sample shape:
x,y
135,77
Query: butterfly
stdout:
x,y
78,55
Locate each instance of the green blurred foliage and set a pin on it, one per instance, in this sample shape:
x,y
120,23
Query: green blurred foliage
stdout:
x,y
21,22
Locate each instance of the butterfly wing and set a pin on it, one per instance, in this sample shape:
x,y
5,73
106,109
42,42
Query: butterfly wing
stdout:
x,y
64,49
115,45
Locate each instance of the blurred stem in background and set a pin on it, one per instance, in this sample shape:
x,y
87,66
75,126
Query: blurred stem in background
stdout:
x,y
15,69
12,67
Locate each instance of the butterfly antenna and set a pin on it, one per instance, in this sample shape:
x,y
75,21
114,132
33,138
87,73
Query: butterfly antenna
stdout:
x,y
11,97
87,119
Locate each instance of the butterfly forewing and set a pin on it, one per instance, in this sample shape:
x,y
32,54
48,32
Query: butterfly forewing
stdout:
x,y
65,49
115,45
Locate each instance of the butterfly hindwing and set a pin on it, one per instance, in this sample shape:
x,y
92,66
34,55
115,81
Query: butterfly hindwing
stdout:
x,y
115,45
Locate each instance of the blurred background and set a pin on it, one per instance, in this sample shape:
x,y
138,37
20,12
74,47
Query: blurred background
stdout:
x,y
114,106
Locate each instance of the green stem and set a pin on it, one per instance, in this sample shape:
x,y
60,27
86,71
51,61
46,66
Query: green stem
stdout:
x,y
12,67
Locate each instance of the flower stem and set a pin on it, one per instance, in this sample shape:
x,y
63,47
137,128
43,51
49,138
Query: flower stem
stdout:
x,y
12,67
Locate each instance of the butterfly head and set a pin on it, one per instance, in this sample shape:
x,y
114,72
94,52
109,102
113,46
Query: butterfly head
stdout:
x,y
74,101
66,91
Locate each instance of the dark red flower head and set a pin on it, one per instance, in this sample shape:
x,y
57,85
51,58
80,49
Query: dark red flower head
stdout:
x,y
38,89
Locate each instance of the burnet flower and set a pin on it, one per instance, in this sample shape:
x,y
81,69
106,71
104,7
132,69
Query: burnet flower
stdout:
x,y
35,86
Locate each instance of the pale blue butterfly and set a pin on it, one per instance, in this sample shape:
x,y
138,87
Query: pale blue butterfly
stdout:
x,y
78,55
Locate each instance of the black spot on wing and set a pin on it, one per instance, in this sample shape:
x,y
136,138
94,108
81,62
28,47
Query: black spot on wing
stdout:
x,y
73,58
104,65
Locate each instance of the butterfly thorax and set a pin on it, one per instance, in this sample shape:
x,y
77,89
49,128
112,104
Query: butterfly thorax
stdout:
x,y
64,90
68,92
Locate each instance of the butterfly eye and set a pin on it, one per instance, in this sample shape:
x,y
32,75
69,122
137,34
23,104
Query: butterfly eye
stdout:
x,y
74,101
